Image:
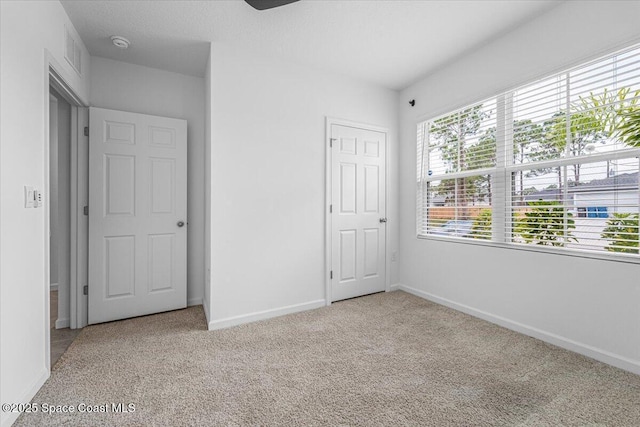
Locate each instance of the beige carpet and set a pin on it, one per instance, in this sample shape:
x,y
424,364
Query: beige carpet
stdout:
x,y
386,359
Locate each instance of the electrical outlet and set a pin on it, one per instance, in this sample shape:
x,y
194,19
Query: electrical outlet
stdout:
x,y
394,256
38,199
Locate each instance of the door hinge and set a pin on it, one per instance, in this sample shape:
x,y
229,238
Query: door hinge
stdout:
x,y
331,274
330,208
85,210
331,141
86,131
85,290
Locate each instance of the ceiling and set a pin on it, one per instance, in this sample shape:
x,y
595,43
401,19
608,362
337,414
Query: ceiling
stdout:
x,y
390,43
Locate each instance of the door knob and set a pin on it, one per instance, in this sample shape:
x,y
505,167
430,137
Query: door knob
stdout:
x,y
382,220
180,223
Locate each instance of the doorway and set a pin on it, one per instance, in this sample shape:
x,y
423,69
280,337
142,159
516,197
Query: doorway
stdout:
x,y
61,335
64,193
156,155
357,222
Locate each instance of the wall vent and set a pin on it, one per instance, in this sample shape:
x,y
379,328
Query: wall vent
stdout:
x,y
72,51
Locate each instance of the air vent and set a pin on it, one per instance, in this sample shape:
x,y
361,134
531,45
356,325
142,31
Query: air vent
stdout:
x,y
72,51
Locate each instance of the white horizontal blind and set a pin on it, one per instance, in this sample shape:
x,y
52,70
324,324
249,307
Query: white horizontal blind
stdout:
x,y
456,159
567,176
565,214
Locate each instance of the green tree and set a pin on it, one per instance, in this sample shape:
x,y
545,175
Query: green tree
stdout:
x,y
629,130
571,139
622,233
527,137
529,190
592,120
548,143
607,112
482,155
481,228
527,140
450,134
544,224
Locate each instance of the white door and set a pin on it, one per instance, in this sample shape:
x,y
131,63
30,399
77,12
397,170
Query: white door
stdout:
x,y
137,214
358,198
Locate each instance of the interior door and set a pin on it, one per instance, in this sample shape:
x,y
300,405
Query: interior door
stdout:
x,y
137,214
358,198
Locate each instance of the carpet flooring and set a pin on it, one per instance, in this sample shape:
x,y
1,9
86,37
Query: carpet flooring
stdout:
x,y
386,359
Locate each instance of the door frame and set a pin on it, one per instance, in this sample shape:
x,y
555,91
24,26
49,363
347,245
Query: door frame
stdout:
x,y
329,121
79,198
54,76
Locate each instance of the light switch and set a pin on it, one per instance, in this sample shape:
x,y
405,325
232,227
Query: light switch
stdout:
x,y
29,197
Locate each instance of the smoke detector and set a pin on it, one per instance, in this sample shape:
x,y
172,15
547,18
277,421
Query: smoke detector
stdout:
x,y
120,42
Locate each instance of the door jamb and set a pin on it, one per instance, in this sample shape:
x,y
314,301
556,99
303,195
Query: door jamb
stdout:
x,y
329,121
78,307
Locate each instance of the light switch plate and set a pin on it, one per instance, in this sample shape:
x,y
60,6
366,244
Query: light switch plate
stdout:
x,y
29,197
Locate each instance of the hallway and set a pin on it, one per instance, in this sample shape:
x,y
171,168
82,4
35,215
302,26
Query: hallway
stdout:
x,y
61,339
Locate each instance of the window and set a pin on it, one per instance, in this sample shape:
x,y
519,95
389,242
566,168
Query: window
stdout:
x,y
457,156
552,164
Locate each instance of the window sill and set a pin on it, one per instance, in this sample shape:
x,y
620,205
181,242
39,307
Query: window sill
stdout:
x,y
628,259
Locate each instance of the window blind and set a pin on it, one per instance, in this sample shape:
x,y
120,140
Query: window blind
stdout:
x,y
456,156
553,163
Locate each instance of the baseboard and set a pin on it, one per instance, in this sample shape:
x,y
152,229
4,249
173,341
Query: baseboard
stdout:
x,y
62,323
394,287
262,315
557,340
9,418
194,301
206,312
53,287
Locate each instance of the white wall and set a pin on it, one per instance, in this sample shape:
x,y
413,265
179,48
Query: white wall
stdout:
x,y
26,30
206,301
588,305
268,179
122,86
